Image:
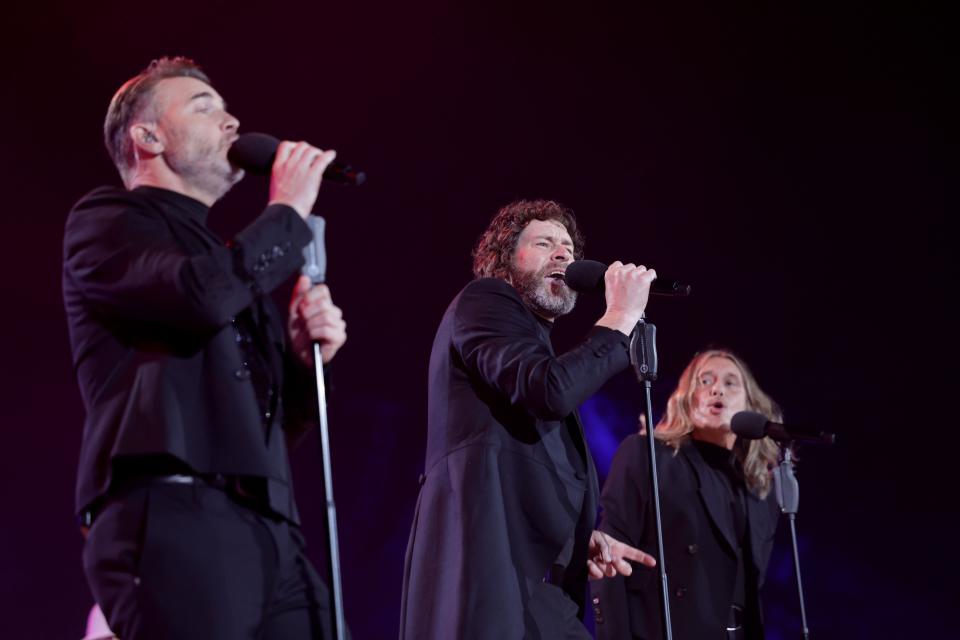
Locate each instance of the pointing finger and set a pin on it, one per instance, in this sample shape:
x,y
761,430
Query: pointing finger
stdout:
x,y
636,555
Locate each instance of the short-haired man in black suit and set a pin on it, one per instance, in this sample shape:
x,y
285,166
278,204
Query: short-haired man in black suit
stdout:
x,y
191,383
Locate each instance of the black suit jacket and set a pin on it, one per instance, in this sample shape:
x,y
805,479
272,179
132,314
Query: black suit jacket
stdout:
x,y
151,298
699,539
503,493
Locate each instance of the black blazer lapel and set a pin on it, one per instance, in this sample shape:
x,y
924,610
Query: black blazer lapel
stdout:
x,y
271,329
761,522
713,497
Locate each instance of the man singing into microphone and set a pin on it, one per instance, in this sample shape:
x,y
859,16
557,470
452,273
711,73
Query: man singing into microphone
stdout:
x,y
503,539
718,508
191,384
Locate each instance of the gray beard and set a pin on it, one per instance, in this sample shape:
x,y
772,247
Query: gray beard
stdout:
x,y
538,294
205,170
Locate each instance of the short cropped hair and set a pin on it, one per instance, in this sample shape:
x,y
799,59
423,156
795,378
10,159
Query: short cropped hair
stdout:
x,y
134,99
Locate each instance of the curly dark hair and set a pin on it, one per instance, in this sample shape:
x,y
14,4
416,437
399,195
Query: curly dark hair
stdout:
x,y
494,251
133,99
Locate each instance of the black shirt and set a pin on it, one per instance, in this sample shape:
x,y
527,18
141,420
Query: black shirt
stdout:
x,y
726,470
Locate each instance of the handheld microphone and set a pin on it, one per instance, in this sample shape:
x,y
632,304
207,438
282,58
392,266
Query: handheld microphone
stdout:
x,y
587,275
753,426
255,152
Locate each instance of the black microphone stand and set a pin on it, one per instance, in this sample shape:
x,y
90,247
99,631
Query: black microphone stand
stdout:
x,y
315,268
643,357
788,497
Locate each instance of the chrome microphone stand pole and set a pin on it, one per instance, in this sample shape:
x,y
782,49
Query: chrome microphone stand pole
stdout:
x,y
643,357
788,497
315,268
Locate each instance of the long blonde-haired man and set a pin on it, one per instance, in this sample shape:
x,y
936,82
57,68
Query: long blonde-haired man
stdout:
x,y
719,515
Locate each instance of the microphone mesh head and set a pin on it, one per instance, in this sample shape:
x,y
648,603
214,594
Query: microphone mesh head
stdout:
x,y
254,152
749,424
585,275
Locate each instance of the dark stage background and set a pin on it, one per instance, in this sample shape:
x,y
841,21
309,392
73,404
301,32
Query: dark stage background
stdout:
x,y
788,160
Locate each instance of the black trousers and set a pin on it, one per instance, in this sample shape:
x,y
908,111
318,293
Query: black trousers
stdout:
x,y
189,561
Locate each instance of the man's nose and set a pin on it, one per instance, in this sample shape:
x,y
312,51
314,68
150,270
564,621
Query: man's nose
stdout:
x,y
230,123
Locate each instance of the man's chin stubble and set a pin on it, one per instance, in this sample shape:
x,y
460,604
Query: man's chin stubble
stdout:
x,y
548,303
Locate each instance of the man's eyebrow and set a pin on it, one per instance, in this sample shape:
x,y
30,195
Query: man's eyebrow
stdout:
x,y
545,236
205,94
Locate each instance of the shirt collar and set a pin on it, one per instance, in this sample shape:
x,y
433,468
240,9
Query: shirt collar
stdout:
x,y
189,207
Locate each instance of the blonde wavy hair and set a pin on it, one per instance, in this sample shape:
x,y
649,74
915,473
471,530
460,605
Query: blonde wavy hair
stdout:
x,y
756,457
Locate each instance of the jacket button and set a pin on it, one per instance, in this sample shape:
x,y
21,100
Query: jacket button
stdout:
x,y
597,613
242,373
682,591
692,549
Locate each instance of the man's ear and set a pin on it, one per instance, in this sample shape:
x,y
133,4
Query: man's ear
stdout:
x,y
145,139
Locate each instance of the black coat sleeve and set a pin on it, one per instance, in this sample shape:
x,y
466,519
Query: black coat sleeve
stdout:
x,y
126,261
498,339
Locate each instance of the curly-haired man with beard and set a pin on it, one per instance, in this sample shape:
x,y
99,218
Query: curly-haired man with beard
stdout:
x,y
503,539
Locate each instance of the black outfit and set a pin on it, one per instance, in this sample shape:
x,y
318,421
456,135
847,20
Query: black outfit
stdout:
x,y
717,539
190,396
499,542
